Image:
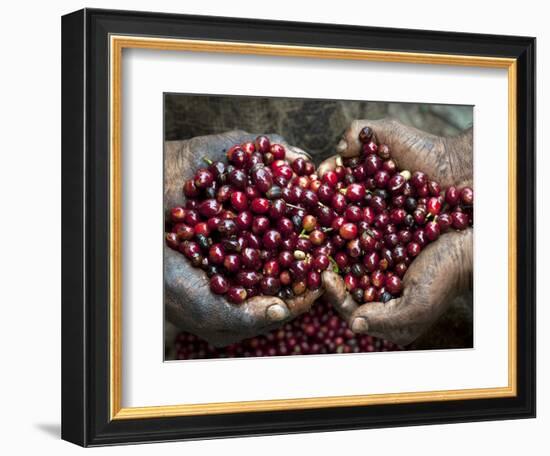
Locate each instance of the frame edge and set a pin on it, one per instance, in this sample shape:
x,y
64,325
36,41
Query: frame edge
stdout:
x,y
73,303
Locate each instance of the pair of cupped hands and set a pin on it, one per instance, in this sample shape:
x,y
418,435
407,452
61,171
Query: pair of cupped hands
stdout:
x,y
442,271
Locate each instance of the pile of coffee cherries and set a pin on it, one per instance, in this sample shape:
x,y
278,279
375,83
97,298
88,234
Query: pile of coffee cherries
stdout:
x,y
319,331
246,223
261,225
384,217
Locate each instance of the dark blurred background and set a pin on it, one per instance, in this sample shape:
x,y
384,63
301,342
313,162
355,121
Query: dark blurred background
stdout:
x,y
316,126
313,125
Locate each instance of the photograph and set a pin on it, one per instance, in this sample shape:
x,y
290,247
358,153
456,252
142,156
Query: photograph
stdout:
x,y
297,226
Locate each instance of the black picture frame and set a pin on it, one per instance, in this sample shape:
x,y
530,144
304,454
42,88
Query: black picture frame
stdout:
x,y
85,222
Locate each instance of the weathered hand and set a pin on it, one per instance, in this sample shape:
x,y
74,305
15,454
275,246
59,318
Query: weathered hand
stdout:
x,y
446,160
189,303
444,268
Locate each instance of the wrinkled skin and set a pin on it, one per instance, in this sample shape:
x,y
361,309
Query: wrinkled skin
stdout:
x,y
189,303
443,269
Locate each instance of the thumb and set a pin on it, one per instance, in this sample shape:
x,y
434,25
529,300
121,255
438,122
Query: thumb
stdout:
x,y
384,320
376,318
440,272
302,303
264,311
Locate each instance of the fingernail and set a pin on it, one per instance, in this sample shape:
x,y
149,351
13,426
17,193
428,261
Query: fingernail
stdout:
x,y
359,325
342,146
277,312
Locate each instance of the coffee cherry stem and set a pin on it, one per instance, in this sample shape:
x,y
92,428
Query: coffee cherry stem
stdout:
x,y
335,267
295,207
301,208
303,235
207,160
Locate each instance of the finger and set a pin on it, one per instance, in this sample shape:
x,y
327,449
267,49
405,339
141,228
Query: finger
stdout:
x,y
384,320
190,305
292,153
385,131
349,145
302,303
412,149
442,266
265,310
183,158
337,295
335,289
213,147
328,165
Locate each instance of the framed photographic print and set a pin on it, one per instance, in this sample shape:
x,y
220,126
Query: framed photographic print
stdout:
x,y
275,227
